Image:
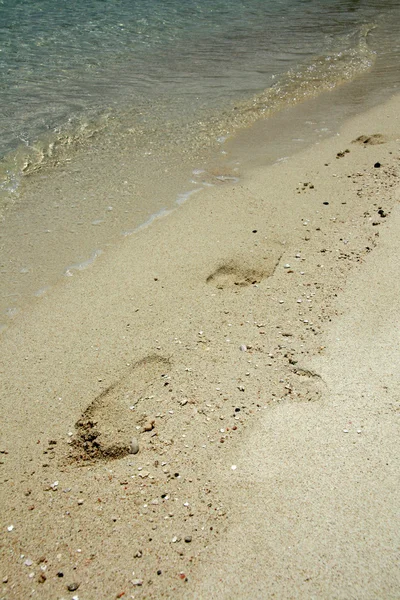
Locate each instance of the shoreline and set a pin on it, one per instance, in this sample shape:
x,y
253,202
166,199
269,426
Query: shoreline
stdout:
x,y
64,215
187,348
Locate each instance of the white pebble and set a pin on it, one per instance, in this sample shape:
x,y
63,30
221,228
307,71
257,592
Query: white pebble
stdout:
x,y
233,467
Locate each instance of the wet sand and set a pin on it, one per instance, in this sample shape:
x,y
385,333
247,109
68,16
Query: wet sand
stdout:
x,y
255,328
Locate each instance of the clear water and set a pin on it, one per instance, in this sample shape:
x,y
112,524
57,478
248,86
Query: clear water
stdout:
x,y
108,107
71,65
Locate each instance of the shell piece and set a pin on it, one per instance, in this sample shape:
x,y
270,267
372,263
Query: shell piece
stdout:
x,y
134,446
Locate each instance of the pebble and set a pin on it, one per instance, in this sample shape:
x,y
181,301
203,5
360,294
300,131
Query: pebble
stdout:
x,y
134,446
188,539
233,467
149,426
73,586
28,562
10,527
243,348
137,582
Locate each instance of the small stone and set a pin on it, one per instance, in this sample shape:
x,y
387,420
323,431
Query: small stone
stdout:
x,y
149,426
42,578
188,539
28,562
10,527
144,474
233,467
377,165
80,501
137,582
243,348
287,266
134,446
5,579
73,586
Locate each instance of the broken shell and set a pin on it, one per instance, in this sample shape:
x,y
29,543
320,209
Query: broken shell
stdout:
x,y
134,446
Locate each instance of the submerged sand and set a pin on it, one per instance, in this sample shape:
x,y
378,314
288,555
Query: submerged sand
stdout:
x,y
248,345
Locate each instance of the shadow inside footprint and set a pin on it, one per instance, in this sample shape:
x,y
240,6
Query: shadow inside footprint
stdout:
x,y
107,426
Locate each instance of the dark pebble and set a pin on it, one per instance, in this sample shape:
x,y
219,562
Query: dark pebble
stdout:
x,y
326,203
188,539
377,165
159,572
60,574
73,586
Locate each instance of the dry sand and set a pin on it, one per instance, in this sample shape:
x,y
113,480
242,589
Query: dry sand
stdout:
x,y
255,327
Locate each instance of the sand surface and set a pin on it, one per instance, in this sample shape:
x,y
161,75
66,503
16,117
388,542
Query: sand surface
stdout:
x,y
256,327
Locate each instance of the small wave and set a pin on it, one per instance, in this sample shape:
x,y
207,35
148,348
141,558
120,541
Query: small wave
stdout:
x,y
82,265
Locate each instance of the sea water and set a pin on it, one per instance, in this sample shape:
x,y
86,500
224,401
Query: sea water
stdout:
x,y
110,108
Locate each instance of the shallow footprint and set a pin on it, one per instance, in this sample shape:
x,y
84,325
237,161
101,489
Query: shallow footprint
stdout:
x,y
235,273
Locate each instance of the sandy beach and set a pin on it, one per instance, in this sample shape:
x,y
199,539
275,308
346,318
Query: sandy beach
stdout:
x,y
211,410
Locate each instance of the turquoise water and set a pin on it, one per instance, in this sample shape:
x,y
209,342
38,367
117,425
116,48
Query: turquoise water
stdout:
x,y
69,65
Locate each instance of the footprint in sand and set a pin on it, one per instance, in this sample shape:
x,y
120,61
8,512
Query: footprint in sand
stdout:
x,y
107,426
304,385
239,273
